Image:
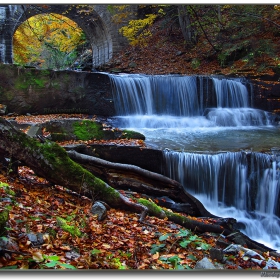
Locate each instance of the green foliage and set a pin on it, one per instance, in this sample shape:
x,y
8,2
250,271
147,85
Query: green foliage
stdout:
x,y
185,238
175,262
195,63
237,36
156,248
49,262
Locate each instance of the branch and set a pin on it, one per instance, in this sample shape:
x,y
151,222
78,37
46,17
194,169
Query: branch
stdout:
x,y
204,32
256,16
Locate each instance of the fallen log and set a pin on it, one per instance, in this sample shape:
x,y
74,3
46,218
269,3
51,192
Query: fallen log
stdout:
x,y
126,176
50,161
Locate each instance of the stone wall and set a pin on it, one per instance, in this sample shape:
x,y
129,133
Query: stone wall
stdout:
x,y
29,90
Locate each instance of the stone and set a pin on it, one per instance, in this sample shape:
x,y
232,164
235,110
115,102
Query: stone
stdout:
x,y
36,239
100,210
3,109
132,64
8,244
34,130
205,263
216,254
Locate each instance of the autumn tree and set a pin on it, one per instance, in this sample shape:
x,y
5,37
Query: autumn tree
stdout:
x,y
48,41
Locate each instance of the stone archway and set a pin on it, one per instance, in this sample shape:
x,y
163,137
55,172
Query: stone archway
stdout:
x,y
102,33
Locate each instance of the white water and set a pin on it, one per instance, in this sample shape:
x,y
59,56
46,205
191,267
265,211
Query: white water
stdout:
x,y
171,112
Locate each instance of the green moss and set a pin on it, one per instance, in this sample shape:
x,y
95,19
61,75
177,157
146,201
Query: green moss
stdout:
x,y
86,130
32,78
7,189
51,232
73,230
179,219
154,209
130,134
4,216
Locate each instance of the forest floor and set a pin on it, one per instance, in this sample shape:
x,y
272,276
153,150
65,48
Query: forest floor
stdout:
x,y
120,241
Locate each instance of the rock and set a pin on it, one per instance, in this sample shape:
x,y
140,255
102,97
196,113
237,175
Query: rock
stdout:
x,y
8,244
132,64
3,109
36,239
72,255
100,210
217,254
34,130
205,263
178,53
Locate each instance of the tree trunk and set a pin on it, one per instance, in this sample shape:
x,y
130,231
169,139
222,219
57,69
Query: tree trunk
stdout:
x,y
185,24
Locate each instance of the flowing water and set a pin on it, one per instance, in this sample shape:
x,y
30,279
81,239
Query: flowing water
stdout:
x,y
220,148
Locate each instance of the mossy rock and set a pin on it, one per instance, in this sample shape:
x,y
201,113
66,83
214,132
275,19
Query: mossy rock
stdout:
x,y
130,134
86,130
75,129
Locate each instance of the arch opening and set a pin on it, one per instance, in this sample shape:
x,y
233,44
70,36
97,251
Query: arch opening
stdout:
x,y
52,41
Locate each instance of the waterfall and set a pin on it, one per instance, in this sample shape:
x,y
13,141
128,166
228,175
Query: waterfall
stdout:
x,y
189,114
245,185
155,95
180,96
231,93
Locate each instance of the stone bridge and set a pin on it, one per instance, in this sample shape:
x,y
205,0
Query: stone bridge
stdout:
x,y
101,32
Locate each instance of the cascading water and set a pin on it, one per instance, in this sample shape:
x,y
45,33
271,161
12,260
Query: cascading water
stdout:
x,y
211,138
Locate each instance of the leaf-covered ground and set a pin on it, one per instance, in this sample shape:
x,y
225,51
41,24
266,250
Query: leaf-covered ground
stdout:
x,y
71,237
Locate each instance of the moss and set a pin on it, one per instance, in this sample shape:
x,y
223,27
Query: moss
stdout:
x,y
86,130
31,78
73,230
4,216
130,134
51,232
154,209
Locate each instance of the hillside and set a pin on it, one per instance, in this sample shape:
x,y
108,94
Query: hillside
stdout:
x,y
166,53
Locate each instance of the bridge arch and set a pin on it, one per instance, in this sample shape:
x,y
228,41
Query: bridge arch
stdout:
x,y
101,32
